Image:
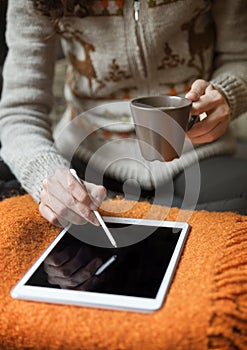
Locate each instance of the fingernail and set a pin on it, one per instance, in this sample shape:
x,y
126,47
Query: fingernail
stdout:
x,y
95,222
192,95
93,206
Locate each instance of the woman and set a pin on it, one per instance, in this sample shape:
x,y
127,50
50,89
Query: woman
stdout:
x,y
118,50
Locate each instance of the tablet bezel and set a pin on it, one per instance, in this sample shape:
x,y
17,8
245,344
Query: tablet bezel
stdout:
x,y
101,300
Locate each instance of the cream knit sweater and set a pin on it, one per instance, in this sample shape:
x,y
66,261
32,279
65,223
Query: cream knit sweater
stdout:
x,y
111,58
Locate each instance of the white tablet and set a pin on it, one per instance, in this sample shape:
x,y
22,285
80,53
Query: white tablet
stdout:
x,y
135,276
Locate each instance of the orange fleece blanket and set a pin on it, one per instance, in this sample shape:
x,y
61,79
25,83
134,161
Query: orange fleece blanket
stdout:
x,y
206,307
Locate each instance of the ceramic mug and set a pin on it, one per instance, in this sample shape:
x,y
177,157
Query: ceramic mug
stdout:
x,y
161,123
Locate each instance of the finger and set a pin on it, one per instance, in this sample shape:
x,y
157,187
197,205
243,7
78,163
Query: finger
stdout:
x,y
96,193
216,116
48,214
65,205
211,135
202,127
69,183
63,211
197,89
45,184
209,101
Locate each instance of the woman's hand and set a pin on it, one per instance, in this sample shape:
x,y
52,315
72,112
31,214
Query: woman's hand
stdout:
x,y
207,99
63,200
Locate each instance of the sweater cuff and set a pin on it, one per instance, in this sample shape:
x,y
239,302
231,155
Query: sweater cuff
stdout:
x,y
235,91
40,168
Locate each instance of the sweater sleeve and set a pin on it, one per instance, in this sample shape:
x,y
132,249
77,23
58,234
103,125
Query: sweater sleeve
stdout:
x,y
230,74
25,126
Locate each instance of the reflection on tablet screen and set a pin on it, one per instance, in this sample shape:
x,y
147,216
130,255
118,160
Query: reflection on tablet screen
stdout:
x,y
135,270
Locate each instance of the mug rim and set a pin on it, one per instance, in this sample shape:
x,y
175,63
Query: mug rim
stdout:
x,y
137,102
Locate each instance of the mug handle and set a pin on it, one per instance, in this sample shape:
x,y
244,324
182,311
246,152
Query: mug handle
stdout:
x,y
193,119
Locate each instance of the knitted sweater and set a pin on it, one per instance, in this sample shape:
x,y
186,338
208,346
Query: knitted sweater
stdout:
x,y
112,57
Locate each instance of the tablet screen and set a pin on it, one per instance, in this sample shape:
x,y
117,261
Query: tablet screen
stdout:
x,y
135,270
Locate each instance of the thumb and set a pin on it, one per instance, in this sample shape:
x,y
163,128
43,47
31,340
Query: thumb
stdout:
x,y
97,193
197,89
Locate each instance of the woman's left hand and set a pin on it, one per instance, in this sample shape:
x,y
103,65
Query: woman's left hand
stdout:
x,y
207,99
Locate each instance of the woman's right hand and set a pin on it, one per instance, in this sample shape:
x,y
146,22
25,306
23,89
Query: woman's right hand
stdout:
x,y
64,200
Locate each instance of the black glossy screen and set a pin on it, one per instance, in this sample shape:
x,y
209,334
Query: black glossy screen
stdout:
x,y
138,269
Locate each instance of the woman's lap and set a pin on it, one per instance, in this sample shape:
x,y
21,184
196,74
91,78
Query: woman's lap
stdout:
x,y
223,186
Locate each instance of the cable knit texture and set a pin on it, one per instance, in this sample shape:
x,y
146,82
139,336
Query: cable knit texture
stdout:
x,y
113,58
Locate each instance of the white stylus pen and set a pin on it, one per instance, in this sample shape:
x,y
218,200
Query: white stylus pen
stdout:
x,y
97,214
105,265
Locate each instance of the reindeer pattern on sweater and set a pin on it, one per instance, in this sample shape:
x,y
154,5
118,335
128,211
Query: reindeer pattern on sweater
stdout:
x,y
112,57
